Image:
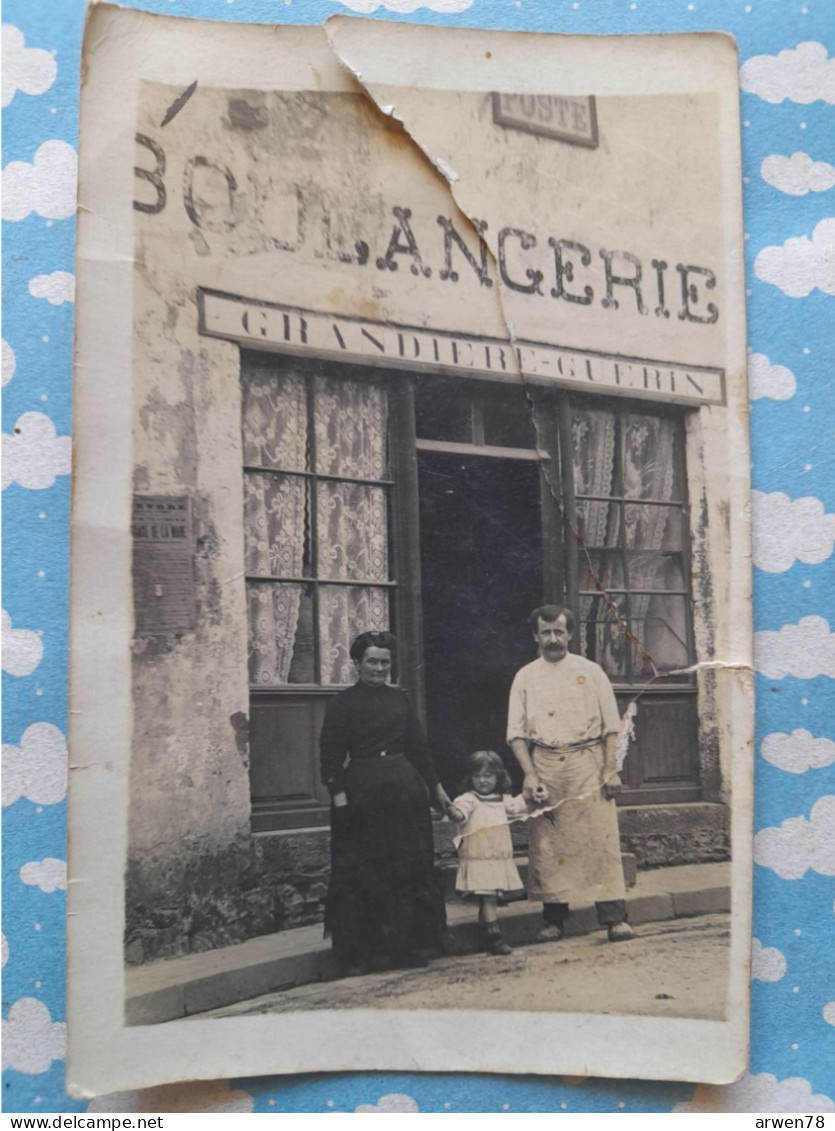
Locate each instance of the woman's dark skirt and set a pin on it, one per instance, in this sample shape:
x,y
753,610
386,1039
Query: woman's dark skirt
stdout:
x,y
385,896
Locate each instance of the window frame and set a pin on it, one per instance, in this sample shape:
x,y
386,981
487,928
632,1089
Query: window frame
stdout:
x,y
271,814
677,415
310,371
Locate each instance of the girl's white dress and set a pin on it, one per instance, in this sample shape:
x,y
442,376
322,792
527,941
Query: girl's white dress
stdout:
x,y
485,849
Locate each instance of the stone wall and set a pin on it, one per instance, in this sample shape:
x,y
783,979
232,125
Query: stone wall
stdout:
x,y
273,882
666,835
211,898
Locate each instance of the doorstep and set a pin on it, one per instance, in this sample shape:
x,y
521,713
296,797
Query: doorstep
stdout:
x,y
181,987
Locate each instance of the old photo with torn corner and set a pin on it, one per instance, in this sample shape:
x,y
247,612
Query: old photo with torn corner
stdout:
x,y
410,330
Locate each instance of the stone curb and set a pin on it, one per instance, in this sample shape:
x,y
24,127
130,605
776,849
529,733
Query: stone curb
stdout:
x,y
254,968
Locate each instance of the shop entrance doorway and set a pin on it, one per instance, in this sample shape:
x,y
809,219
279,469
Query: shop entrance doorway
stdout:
x,y
481,573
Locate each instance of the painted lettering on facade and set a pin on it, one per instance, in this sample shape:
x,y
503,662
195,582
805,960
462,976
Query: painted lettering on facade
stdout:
x,y
556,267
377,343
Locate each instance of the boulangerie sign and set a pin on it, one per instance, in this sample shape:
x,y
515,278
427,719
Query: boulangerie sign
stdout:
x,y
410,339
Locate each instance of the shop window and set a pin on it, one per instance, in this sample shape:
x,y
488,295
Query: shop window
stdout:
x,y
316,541
317,563
633,595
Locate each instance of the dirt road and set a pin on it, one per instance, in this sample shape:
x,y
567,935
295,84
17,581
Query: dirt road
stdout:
x,y
676,968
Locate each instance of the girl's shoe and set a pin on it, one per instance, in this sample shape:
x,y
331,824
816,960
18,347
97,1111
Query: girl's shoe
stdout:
x,y
491,941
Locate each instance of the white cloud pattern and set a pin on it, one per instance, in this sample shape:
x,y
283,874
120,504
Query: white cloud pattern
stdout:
x,y
31,1039
829,1013
797,752
775,382
801,264
22,648
28,69
799,845
395,1102
49,875
787,530
34,454
47,186
4,949
37,769
797,175
760,1093
406,6
9,362
804,650
55,288
801,74
768,964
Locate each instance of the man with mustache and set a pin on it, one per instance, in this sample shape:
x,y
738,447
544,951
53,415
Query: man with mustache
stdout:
x,y
562,727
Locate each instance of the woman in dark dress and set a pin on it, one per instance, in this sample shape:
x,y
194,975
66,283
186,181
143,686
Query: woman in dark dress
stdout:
x,y
384,897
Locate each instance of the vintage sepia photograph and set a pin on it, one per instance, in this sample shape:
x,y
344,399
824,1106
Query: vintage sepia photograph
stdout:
x,y
411,646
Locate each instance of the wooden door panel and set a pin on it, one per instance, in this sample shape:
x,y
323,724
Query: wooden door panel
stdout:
x,y
284,743
662,763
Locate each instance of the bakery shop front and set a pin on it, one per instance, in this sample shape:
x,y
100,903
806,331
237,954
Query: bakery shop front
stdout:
x,y
368,409
443,502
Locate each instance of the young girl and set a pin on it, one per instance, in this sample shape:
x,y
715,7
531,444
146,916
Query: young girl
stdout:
x,y
485,850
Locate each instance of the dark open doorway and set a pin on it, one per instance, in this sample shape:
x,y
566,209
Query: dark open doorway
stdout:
x,y
481,573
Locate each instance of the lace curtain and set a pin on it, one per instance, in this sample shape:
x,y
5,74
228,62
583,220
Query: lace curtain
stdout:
x,y
350,428
274,424
351,425
647,470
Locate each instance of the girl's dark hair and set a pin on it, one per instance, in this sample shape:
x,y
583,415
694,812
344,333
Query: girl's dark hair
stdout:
x,y
367,640
491,761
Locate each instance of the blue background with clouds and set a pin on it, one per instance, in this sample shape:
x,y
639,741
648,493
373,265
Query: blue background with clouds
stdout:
x,y
788,91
